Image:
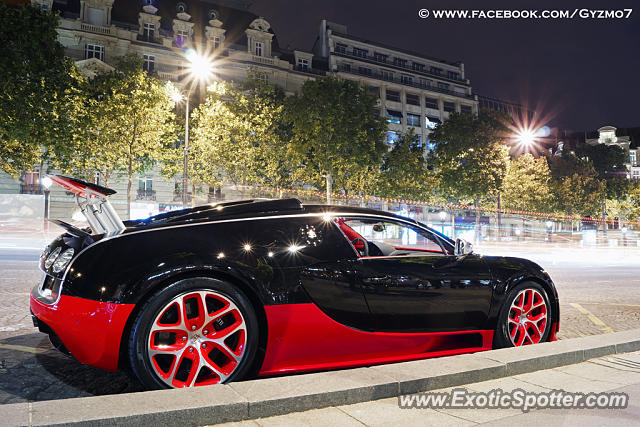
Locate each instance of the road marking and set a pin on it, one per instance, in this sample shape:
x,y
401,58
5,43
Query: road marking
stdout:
x,y
604,328
32,350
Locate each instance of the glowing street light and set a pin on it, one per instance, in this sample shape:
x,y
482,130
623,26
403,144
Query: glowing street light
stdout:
x,y
526,137
442,215
200,69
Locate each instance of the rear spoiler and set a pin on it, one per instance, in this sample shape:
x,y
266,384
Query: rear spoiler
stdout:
x,y
93,202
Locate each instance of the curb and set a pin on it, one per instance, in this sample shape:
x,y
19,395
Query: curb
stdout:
x,y
282,395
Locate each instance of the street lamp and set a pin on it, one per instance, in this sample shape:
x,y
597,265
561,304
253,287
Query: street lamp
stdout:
x,y
442,215
200,69
46,185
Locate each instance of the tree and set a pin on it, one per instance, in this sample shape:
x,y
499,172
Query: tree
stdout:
x,y
470,155
38,89
607,160
579,194
335,131
526,185
241,130
404,172
129,122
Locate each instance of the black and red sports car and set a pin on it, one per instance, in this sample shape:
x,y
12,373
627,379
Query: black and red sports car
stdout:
x,y
227,291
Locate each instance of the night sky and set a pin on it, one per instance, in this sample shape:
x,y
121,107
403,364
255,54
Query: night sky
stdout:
x,y
583,73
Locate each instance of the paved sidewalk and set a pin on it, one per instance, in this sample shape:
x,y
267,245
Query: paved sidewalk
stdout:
x,y
612,373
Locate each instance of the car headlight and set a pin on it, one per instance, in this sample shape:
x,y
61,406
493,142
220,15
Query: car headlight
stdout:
x,y
52,257
63,260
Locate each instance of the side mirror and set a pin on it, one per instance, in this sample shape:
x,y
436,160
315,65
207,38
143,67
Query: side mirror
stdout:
x,y
462,247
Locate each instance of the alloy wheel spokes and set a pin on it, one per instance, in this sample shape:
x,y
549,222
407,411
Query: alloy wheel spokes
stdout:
x,y
527,318
198,338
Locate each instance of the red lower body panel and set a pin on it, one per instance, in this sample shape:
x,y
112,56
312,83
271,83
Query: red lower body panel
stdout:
x,y
91,330
303,338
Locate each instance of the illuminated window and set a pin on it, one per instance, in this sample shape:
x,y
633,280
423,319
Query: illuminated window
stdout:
x,y
303,64
94,51
413,120
394,117
149,31
258,49
392,137
149,63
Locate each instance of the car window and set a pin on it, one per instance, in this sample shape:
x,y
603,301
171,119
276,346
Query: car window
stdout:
x,y
373,237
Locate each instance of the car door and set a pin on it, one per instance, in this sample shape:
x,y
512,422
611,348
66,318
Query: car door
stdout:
x,y
411,283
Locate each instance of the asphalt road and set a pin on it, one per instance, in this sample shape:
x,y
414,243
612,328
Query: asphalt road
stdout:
x,y
599,293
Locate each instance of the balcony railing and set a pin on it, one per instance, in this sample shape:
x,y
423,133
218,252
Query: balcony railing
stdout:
x,y
391,63
309,70
404,82
30,189
146,194
96,28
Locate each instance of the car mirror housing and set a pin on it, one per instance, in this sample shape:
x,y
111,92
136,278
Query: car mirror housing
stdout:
x,y
462,247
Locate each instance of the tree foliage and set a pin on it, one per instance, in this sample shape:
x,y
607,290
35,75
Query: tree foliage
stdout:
x,y
470,154
526,185
38,89
129,123
404,172
335,132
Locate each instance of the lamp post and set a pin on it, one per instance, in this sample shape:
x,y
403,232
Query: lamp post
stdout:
x,y
200,69
46,185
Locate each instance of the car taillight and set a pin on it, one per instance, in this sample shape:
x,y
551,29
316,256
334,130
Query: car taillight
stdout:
x,y
63,260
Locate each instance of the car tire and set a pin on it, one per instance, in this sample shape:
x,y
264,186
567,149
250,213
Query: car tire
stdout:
x,y
196,331
525,317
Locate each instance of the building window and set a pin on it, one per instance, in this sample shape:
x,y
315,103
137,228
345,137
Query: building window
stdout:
x,y
341,48
418,67
399,62
453,75
149,31
443,86
362,53
449,107
406,80
149,63
217,42
431,103
380,57
435,70
392,137
413,99
465,109
431,122
387,75
392,95
345,67
373,91
94,51
632,157
303,64
425,83
394,117
413,120
258,49
182,36
365,71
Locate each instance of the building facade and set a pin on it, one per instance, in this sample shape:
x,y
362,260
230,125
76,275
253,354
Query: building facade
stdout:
x,y
607,136
415,92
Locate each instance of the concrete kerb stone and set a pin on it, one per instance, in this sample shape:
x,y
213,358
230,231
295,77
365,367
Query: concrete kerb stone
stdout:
x,y
281,395
294,393
431,374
